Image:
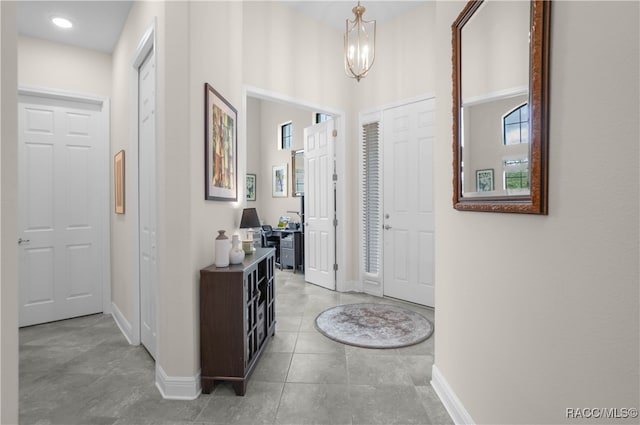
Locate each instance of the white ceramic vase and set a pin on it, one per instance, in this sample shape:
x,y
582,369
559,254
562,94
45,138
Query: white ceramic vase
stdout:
x,y
223,245
236,254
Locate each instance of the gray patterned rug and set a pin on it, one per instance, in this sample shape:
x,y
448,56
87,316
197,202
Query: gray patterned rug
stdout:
x,y
374,325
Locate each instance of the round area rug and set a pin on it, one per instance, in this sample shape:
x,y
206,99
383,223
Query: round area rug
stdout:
x,y
374,325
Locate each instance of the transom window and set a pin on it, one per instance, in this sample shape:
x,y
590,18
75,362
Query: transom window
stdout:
x,y
285,136
515,126
322,117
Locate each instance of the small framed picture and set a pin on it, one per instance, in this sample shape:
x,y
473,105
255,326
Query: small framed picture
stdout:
x,y
279,181
484,180
251,187
118,184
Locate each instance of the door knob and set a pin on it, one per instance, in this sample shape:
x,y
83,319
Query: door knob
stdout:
x,y
387,227
21,241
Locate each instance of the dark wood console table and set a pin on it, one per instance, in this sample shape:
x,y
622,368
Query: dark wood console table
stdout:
x,y
237,318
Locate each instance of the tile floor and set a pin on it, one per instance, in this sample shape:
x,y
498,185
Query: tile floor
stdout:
x,y
82,371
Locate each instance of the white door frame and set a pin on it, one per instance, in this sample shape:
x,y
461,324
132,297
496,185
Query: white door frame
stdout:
x,y
145,46
249,91
103,192
374,284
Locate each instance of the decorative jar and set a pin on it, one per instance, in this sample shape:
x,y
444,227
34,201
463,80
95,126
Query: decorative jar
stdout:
x,y
236,254
223,245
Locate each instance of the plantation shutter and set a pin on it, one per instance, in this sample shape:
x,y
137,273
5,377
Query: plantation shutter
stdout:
x,y
371,199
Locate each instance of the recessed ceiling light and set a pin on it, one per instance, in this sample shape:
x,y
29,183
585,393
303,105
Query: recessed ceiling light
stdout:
x,y
61,22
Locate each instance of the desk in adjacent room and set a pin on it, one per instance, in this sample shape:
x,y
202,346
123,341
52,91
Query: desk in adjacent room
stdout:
x,y
291,248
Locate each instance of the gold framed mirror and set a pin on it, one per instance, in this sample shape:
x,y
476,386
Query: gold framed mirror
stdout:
x,y
297,172
500,106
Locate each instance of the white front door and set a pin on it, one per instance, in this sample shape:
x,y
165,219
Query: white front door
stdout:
x,y
408,220
61,161
319,204
147,202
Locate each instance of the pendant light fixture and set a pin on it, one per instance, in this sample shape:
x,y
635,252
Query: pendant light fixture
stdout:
x,y
359,45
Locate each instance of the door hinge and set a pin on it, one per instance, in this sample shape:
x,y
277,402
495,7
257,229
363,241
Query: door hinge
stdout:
x,y
335,267
335,177
335,222
335,133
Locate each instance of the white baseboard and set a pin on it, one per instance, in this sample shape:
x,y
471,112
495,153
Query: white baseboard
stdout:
x,y
449,399
122,322
177,387
372,288
347,286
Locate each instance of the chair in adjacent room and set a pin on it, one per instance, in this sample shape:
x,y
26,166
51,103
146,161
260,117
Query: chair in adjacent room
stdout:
x,y
271,240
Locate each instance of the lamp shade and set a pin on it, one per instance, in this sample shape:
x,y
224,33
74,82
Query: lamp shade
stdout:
x,y
249,219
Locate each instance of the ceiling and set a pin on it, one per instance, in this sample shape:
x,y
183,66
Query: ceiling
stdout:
x,y
335,13
97,24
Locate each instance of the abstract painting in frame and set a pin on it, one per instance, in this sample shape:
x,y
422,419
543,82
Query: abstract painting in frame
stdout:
x,y
221,147
251,187
118,184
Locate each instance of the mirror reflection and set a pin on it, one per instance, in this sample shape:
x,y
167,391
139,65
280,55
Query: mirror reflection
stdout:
x,y
494,100
297,172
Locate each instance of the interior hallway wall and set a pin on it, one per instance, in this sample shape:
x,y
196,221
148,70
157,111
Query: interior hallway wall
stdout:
x,y
556,325
272,114
404,69
292,55
8,215
254,150
56,66
123,226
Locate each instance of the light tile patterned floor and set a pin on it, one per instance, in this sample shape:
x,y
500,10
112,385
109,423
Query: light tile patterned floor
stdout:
x,y
82,371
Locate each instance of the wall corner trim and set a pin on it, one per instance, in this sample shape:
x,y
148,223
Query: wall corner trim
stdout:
x,y
449,399
123,323
177,387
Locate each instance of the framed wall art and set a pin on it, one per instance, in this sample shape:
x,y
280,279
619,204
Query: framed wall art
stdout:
x,y
118,183
484,180
279,181
251,187
221,147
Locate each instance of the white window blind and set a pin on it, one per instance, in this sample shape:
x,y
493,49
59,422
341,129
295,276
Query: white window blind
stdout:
x,y
371,197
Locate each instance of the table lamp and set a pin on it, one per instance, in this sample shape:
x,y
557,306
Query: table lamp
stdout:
x,y
249,221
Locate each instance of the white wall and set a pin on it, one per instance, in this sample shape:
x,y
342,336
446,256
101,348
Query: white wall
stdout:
x,y
556,325
45,64
272,114
8,219
123,227
254,149
404,69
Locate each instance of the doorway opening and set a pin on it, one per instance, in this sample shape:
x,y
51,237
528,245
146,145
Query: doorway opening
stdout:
x,y
262,155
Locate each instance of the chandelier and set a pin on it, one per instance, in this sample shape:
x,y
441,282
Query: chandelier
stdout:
x,y
359,45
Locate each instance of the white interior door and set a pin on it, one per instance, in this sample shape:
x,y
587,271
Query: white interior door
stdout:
x,y
408,220
319,204
61,162
147,202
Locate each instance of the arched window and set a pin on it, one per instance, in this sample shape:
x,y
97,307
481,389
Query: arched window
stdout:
x,y
515,126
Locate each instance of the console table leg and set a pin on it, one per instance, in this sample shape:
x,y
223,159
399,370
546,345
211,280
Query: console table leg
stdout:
x,y
207,386
240,387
